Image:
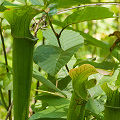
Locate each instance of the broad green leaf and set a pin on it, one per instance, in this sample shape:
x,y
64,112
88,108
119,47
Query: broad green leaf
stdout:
x,y
52,58
10,5
49,35
95,106
51,119
53,100
68,3
22,1
104,65
53,10
68,38
62,84
79,77
1,1
37,2
108,79
56,112
86,14
46,82
100,44
2,8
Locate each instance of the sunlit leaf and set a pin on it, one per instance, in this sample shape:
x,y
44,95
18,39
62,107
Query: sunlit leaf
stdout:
x,y
22,1
46,82
52,58
95,106
56,112
68,38
1,1
69,3
100,44
37,2
86,14
53,100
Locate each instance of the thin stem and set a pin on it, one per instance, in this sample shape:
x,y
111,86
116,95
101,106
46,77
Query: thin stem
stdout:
x,y
9,111
95,4
106,56
36,28
62,31
57,36
5,56
2,99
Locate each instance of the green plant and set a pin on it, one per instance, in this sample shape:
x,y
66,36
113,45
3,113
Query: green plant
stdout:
x,y
53,56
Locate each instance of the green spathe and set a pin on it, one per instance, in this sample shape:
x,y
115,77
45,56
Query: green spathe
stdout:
x,y
23,44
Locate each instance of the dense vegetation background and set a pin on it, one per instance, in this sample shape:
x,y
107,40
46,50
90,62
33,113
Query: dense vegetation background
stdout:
x,y
95,51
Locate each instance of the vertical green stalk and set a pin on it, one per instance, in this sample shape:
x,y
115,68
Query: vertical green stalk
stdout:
x,y
77,108
79,97
23,44
22,76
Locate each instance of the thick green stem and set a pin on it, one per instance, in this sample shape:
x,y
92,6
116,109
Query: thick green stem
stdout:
x,y
22,75
77,108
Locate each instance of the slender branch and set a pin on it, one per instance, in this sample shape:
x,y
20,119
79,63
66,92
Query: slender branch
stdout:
x,y
57,36
2,99
95,4
5,56
9,111
36,28
62,31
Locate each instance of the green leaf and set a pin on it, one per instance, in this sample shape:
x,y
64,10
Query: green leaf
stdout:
x,y
108,79
10,5
56,112
86,14
22,1
53,10
104,65
52,58
68,3
51,119
53,99
37,2
46,82
1,1
79,77
68,38
98,43
62,84
94,106
2,8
